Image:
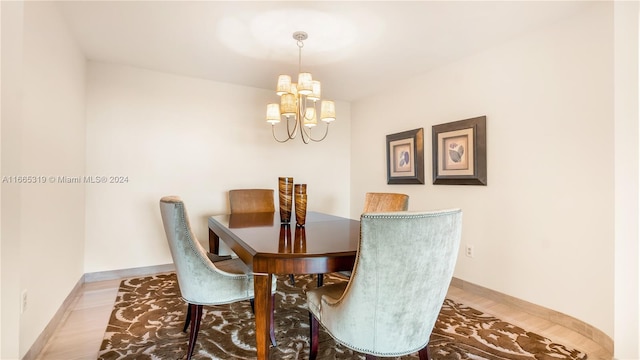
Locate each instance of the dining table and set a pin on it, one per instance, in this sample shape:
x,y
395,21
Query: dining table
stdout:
x,y
326,243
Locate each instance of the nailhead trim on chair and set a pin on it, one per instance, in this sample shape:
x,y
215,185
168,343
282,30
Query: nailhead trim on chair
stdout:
x,y
377,353
407,214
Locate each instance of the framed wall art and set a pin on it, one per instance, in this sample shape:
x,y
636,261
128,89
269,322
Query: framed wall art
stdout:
x,y
405,157
460,152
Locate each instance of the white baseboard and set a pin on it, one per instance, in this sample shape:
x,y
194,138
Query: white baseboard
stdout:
x,y
127,273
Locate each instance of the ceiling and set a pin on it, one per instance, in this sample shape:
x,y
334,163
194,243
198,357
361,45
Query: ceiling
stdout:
x,y
355,48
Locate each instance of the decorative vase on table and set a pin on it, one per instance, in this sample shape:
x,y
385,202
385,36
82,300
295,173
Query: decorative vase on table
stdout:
x,y
300,195
285,192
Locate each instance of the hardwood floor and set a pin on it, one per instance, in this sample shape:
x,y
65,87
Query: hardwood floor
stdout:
x,y
80,332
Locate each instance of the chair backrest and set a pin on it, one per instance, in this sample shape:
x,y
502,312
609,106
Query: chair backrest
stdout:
x,y
377,202
251,200
199,280
396,292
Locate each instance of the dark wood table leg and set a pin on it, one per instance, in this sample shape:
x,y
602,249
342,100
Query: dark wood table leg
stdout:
x,y
214,243
262,293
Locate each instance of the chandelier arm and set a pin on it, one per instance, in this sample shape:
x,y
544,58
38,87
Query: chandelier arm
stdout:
x,y
273,132
292,133
303,108
309,137
302,135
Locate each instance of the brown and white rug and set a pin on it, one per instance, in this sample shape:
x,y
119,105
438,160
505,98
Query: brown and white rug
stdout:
x,y
148,316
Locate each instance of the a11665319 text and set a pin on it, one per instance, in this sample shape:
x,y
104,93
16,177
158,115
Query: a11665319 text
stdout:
x,y
65,179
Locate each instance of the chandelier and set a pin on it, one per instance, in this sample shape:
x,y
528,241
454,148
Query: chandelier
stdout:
x,y
298,103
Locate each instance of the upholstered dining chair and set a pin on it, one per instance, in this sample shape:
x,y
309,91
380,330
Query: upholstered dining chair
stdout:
x,y
201,281
389,307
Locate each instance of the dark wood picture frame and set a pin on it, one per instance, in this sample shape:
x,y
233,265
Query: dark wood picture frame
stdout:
x,y
405,157
460,152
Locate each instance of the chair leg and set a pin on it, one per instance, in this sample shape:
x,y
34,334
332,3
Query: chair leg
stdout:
x,y
196,311
272,329
292,279
424,353
313,336
253,305
188,319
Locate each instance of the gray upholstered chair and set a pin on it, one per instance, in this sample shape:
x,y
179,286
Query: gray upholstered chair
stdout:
x,y
202,282
389,306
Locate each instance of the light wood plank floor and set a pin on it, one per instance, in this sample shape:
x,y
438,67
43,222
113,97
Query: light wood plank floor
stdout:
x,y
79,334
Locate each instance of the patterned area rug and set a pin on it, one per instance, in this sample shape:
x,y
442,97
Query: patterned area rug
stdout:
x,y
148,316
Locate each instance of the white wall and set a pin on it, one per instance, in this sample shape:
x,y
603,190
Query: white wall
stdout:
x,y
173,135
11,82
627,249
543,227
46,220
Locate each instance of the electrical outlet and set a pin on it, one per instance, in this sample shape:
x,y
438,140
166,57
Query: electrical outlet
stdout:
x,y
469,251
23,302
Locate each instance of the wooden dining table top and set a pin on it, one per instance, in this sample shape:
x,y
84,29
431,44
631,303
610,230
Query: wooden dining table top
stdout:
x,y
255,236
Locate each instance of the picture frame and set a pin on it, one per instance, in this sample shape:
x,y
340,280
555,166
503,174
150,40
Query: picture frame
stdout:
x,y
460,152
405,157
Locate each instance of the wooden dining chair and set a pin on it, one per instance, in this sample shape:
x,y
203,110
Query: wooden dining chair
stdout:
x,y
387,308
251,200
248,201
379,202
383,202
